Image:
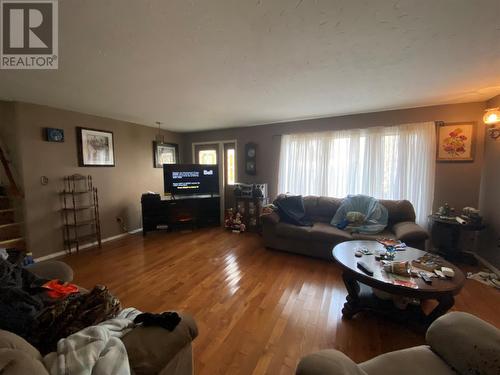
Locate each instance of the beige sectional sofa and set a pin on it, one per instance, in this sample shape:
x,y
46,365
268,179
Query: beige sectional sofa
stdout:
x,y
319,239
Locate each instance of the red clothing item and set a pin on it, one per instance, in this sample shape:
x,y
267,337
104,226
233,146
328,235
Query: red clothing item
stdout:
x,y
58,289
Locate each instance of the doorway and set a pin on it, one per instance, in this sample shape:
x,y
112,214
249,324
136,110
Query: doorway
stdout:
x,y
222,153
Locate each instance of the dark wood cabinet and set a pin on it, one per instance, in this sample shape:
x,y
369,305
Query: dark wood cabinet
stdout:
x,y
167,213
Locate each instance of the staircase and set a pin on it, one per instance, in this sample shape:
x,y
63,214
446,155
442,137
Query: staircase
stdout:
x,y
10,230
11,237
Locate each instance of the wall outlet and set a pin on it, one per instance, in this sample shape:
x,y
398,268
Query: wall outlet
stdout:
x,y
120,221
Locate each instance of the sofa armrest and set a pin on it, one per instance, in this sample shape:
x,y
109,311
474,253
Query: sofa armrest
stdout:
x,y
273,218
150,349
409,231
52,269
18,357
328,362
466,343
17,362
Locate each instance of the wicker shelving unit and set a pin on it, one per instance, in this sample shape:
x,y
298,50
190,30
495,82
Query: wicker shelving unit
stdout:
x,y
80,212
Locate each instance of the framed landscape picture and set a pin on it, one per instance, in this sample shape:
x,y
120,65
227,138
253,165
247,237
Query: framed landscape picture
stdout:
x,y
165,153
456,141
95,148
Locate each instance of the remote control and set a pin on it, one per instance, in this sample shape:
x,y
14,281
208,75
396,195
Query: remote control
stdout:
x,y
365,268
424,277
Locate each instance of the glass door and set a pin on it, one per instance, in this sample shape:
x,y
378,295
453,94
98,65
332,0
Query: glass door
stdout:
x,y
224,155
206,154
229,174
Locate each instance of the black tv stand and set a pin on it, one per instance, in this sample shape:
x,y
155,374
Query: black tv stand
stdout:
x,y
169,212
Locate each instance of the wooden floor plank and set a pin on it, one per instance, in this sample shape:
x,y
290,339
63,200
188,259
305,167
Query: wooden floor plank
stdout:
x,y
258,311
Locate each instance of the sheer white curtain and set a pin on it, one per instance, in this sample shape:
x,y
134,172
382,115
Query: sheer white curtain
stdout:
x,y
395,162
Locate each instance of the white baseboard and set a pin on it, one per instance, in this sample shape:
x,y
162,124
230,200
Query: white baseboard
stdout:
x,y
87,246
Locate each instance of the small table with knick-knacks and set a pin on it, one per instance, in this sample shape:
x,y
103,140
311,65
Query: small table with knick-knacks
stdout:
x,y
445,233
447,227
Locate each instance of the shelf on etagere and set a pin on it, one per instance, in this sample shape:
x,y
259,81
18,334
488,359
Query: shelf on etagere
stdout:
x,y
81,223
84,238
79,208
69,192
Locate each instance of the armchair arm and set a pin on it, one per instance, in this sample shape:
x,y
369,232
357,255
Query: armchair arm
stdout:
x,y
17,356
409,231
150,349
52,269
328,362
273,218
466,343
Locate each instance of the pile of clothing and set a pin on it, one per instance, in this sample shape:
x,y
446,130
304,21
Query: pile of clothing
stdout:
x,y
43,311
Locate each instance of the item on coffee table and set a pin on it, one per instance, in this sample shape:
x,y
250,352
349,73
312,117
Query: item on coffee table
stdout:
x,y
388,241
406,283
439,274
425,277
399,268
448,272
397,245
428,262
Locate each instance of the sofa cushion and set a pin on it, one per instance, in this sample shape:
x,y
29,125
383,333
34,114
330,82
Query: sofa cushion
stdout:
x,y
399,210
374,236
409,231
328,233
328,362
419,360
293,231
321,209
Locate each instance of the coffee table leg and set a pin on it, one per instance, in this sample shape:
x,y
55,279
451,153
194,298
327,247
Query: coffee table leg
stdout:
x,y
351,305
444,304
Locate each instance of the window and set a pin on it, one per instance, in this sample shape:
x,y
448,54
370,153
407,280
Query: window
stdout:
x,y
231,168
396,162
207,156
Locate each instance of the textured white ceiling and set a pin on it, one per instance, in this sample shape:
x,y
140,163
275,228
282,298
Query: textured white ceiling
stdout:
x,y
204,64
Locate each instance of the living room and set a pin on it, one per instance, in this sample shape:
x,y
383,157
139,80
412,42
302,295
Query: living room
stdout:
x,y
394,101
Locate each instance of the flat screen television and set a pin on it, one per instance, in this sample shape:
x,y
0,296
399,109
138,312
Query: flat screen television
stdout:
x,y
187,179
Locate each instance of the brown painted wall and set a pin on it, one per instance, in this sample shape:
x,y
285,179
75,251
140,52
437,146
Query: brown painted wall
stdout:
x,y
119,187
490,196
456,183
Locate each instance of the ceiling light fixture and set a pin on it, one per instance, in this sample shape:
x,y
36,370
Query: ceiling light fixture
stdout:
x,y
492,118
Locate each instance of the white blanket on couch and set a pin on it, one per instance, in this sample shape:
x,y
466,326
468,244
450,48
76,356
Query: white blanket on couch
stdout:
x,y
96,350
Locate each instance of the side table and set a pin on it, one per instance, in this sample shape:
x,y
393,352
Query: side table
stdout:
x,y
445,234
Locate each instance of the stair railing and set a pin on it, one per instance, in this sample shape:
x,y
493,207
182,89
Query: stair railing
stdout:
x,y
13,187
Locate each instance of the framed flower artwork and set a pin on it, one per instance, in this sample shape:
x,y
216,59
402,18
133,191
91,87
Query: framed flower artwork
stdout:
x,y
456,141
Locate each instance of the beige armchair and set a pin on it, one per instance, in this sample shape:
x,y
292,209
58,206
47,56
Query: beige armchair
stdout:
x,y
456,343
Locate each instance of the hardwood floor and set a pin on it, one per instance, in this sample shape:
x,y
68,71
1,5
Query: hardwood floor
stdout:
x,y
258,311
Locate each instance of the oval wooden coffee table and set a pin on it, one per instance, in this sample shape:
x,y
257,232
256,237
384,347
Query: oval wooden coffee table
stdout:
x,y
360,296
